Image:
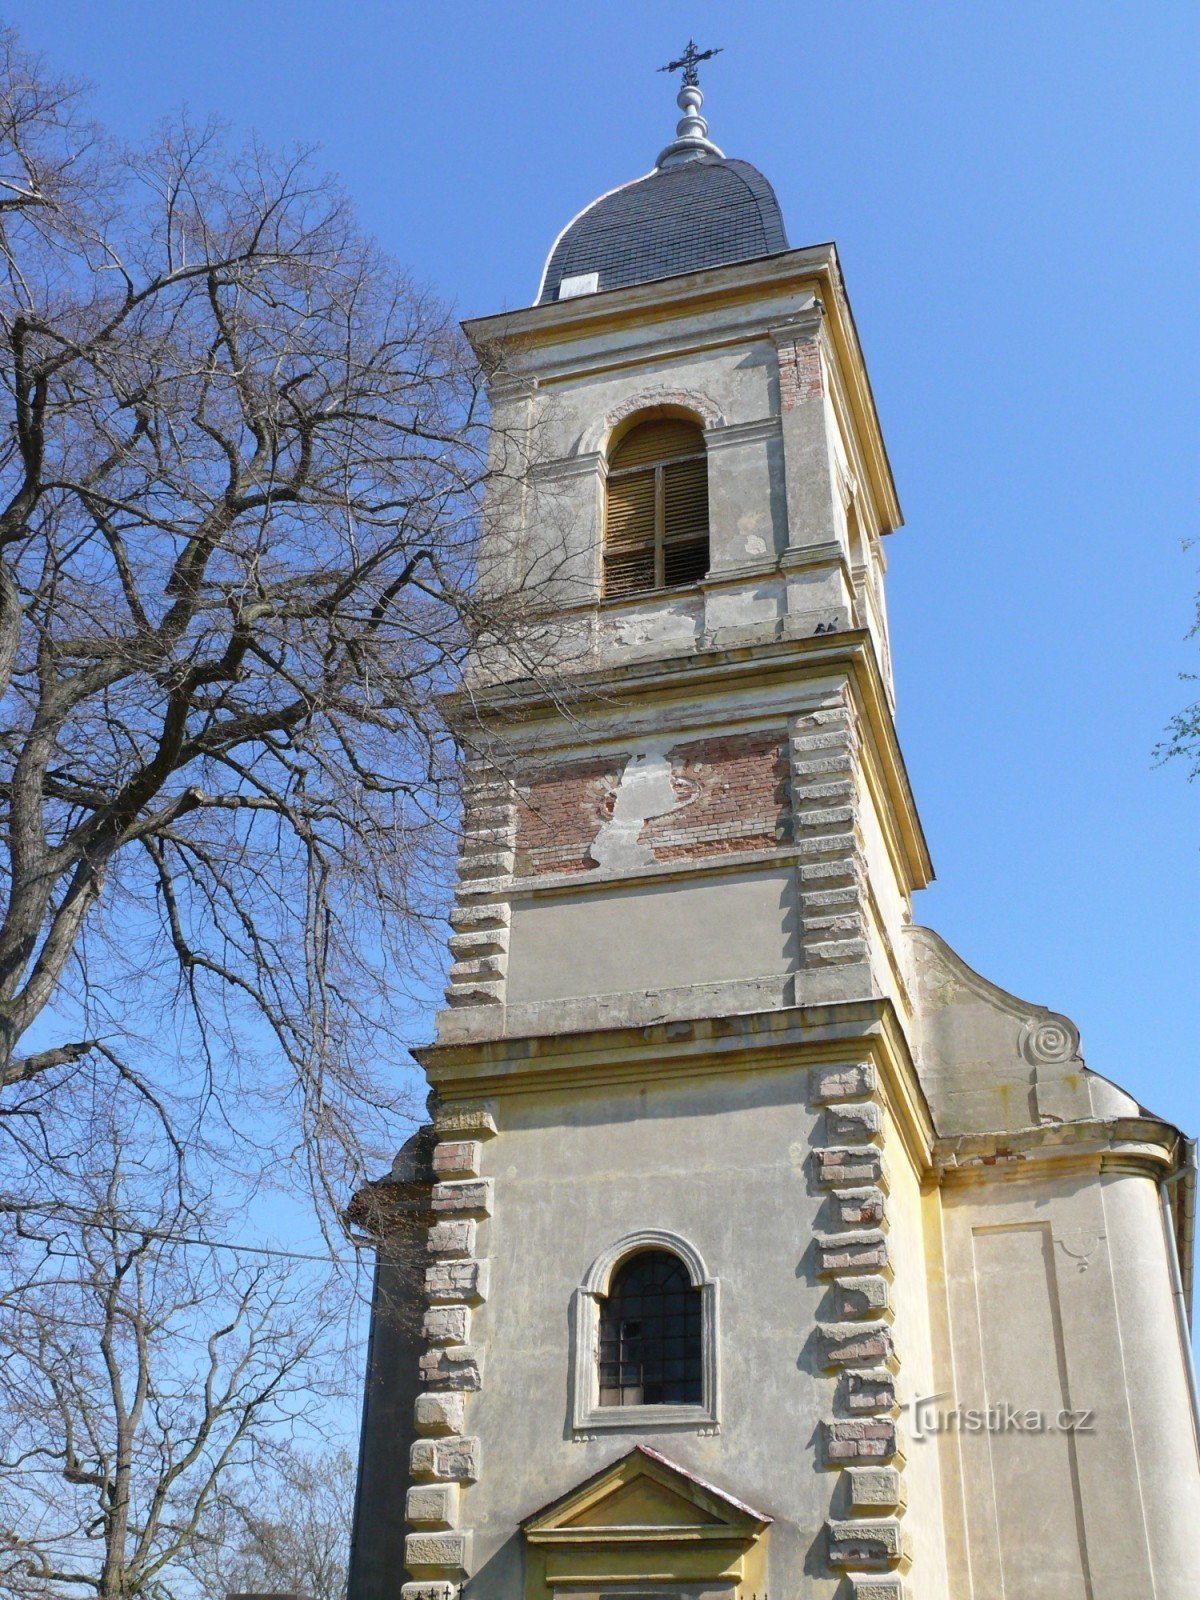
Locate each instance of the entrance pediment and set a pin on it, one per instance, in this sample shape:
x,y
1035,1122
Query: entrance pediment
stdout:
x,y
644,1520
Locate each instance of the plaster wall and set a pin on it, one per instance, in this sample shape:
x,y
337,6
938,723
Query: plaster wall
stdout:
x,y
1061,1304
835,472
913,1330
561,540
753,525
389,1395
771,472
646,628
721,1161
733,384
652,935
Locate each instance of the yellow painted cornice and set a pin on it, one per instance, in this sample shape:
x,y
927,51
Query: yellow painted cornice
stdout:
x,y
852,1030
1144,1146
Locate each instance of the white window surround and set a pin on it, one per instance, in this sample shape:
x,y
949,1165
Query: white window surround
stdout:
x,y
659,1591
588,1416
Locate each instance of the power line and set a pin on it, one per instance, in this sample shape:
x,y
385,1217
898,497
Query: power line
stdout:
x,y
145,1231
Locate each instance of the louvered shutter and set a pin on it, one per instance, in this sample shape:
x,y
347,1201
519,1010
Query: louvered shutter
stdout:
x,y
661,439
629,543
685,521
656,523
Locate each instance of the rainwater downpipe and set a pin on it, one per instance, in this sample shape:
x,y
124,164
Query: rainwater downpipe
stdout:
x,y
1181,1243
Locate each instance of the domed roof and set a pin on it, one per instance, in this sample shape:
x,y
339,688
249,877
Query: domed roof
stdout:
x,y
696,209
703,212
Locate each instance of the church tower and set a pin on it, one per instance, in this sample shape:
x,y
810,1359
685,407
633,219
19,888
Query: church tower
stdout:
x,y
762,1246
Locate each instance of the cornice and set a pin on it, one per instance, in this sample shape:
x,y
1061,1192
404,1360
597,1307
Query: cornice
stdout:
x,y
1144,1146
588,463
709,672
698,1047
661,299
738,433
700,1044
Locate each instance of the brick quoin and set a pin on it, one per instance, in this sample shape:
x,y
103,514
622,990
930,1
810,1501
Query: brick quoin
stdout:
x,y
741,802
800,376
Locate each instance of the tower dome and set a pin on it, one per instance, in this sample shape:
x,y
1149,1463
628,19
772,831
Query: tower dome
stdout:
x,y
696,209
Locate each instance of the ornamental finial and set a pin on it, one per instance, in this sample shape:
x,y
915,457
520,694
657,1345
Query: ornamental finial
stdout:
x,y
691,133
689,61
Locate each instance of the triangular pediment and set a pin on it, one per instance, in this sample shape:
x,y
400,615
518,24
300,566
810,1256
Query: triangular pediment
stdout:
x,y
646,1493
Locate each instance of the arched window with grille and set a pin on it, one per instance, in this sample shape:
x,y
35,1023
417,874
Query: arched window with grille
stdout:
x,y
650,1347
656,513
644,1338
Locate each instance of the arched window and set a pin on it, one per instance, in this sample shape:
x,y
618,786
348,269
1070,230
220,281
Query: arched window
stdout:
x,y
651,1347
656,517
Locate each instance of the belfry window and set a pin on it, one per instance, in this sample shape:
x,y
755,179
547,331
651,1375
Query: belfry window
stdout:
x,y
650,1351
656,516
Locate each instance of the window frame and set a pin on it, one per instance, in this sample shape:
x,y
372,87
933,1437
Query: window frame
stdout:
x,y
588,1416
638,1286
660,540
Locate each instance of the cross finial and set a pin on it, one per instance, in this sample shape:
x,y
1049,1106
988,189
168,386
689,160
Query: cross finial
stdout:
x,y
689,61
691,141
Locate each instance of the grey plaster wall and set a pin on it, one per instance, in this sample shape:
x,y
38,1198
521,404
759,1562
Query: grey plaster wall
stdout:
x,y
652,934
720,1160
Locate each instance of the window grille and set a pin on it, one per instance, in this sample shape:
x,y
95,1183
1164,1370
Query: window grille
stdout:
x,y
656,522
650,1335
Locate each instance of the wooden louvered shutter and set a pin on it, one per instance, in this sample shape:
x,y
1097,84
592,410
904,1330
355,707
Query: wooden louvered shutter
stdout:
x,y
629,536
685,521
656,524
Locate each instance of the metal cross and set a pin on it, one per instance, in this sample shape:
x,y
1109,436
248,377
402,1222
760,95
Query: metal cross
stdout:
x,y
689,61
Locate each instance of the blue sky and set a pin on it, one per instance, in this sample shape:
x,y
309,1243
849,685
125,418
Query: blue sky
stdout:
x,y
1012,187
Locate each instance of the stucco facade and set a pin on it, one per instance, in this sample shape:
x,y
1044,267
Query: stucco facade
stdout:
x,y
942,1265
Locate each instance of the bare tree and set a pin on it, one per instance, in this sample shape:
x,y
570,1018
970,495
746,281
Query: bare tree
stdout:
x,y
1183,731
240,464
238,498
145,1367
291,1538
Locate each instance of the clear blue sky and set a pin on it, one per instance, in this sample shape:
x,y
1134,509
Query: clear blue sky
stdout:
x,y
1013,190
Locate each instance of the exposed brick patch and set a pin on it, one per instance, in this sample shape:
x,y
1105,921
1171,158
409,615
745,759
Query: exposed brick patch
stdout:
x,y
743,801
735,789
560,812
800,375
868,1439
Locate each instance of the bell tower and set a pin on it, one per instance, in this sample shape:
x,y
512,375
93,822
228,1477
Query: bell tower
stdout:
x,y
694,1215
